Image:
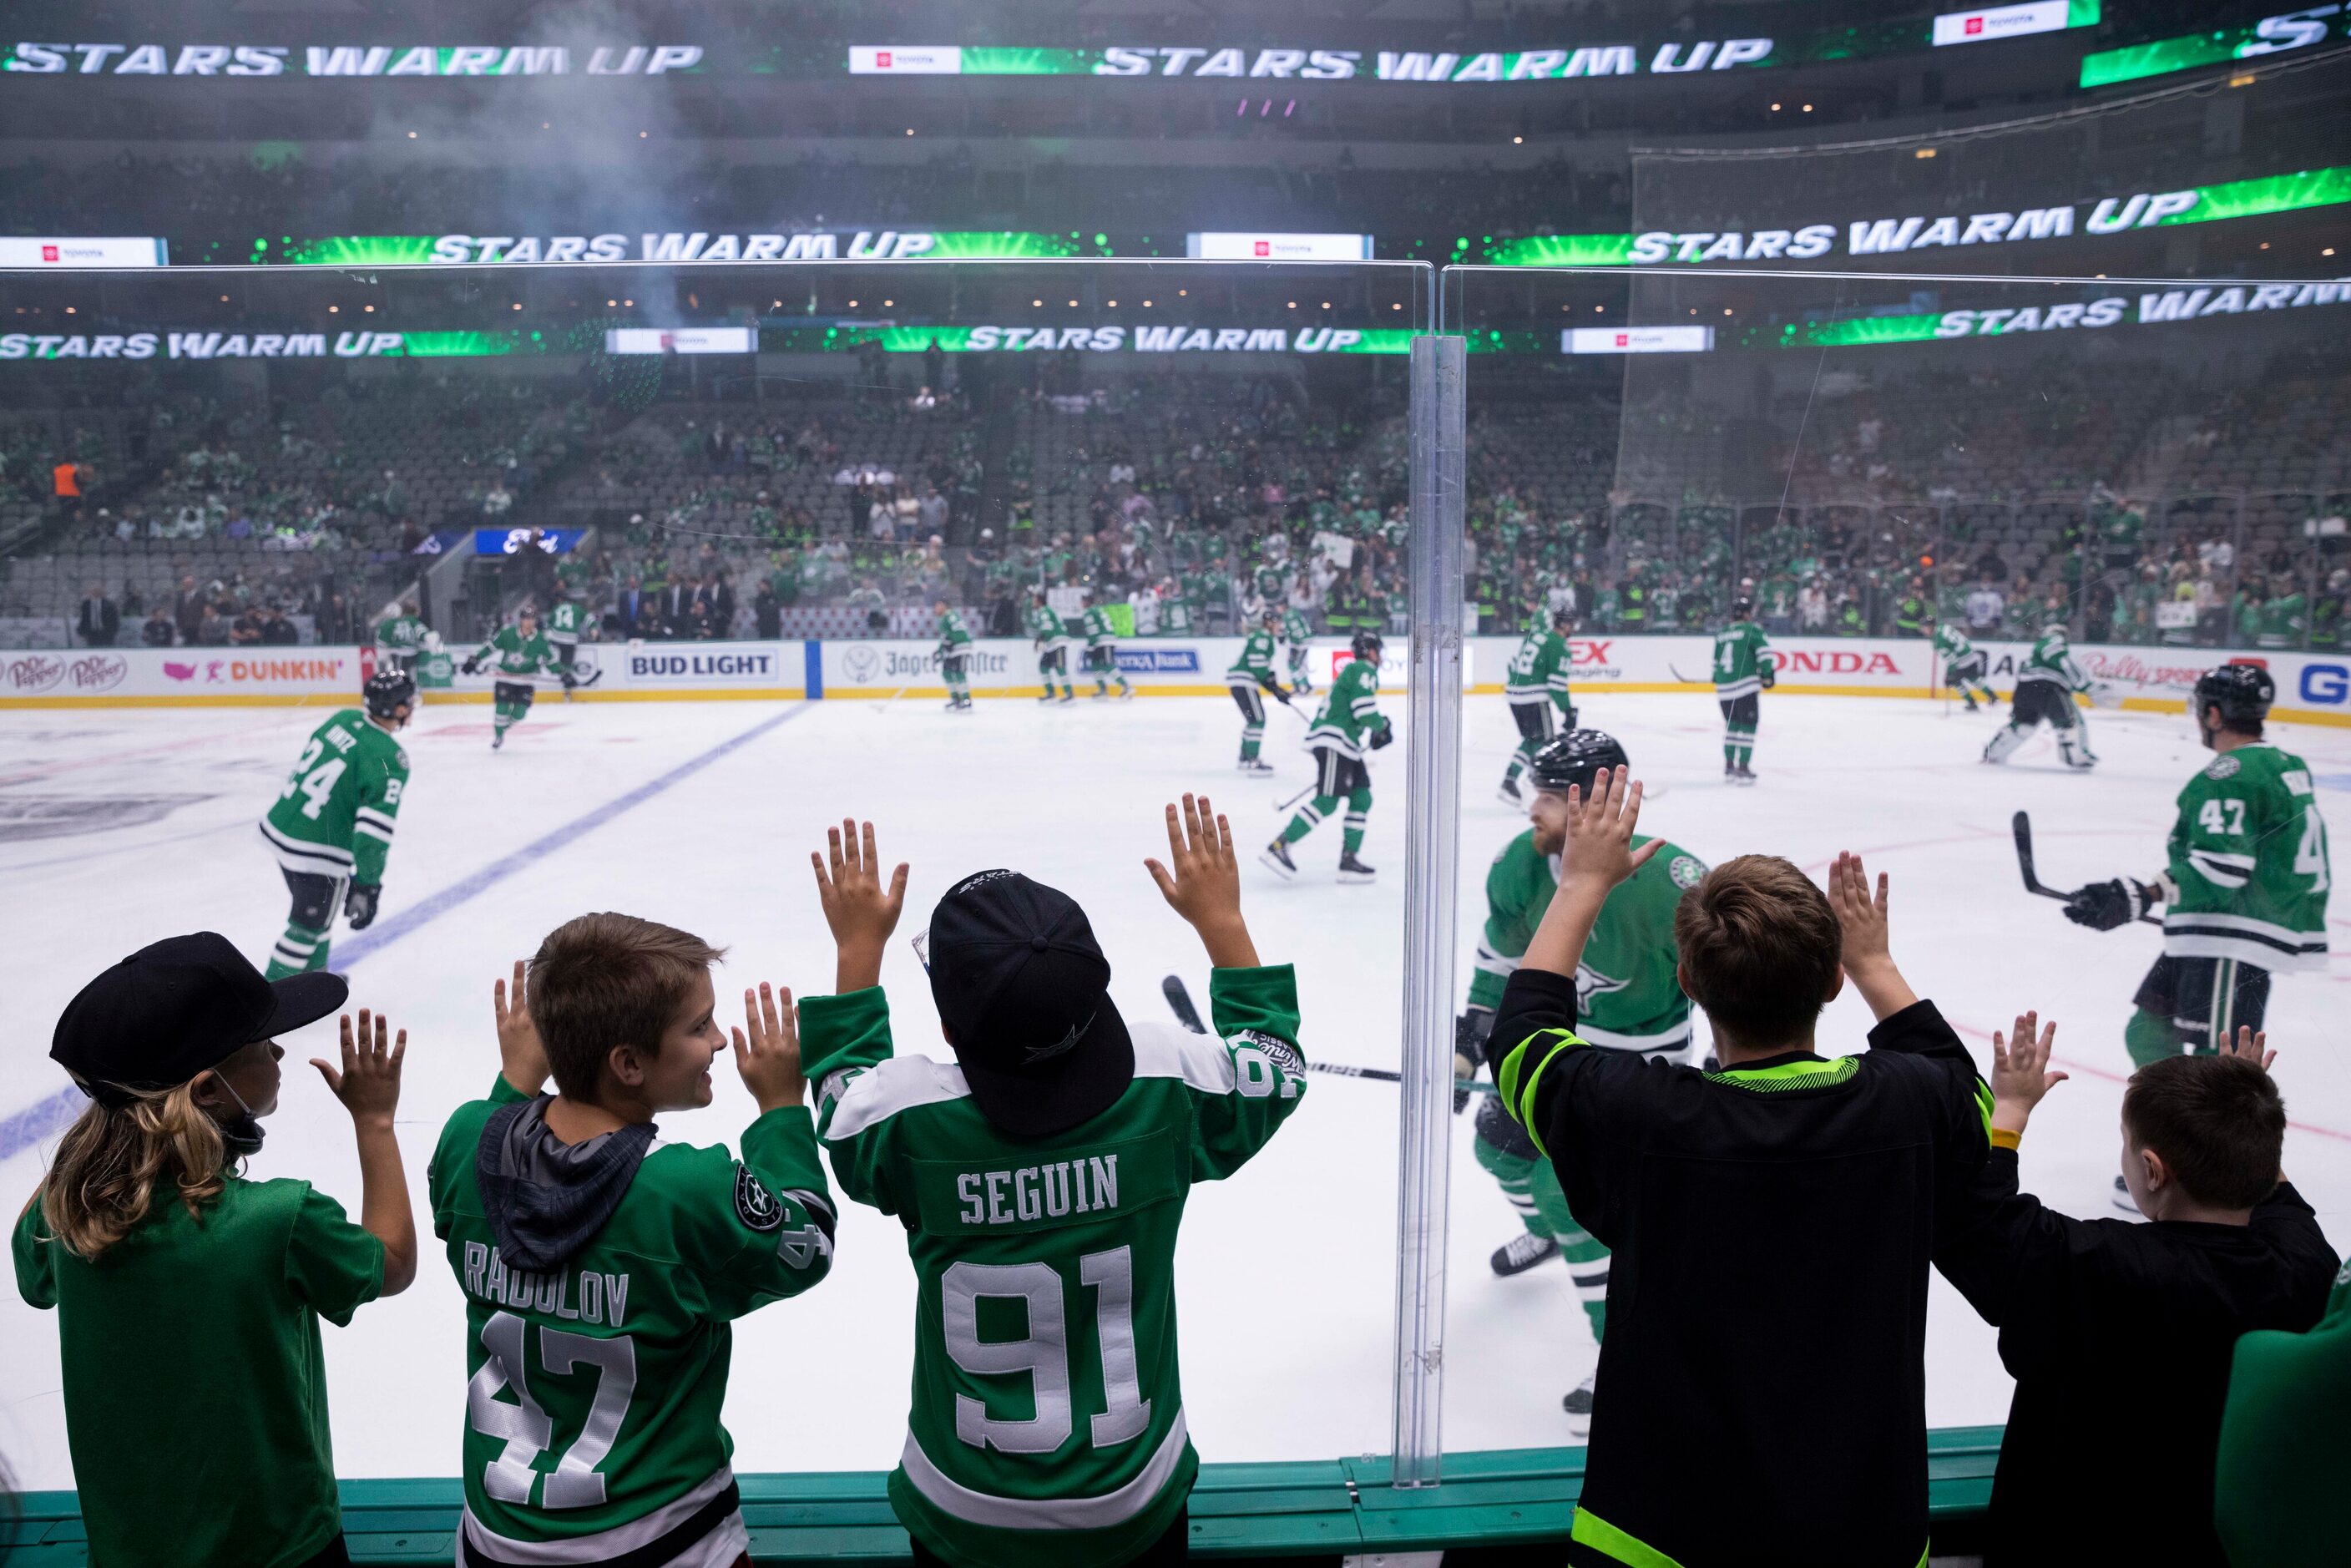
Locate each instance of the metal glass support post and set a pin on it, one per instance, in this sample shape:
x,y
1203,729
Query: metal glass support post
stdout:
x,y
1433,767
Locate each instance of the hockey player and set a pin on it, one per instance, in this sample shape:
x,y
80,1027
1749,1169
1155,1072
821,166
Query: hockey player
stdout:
x,y
955,657
1052,646
401,636
1349,725
518,650
331,827
1251,672
1963,661
1101,649
1536,689
1298,632
1629,999
1041,1181
2044,695
1740,673
564,620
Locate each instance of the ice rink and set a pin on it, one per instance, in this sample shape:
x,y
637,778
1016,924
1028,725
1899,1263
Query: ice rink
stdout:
x,y
121,826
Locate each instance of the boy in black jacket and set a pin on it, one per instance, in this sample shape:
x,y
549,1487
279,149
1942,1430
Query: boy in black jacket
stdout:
x,y
1770,1222
2119,1334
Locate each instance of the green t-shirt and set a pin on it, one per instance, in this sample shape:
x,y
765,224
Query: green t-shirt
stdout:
x,y
2247,863
335,814
1047,1414
400,633
595,1388
195,1385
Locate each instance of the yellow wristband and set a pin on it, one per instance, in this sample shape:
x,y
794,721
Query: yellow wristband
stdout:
x,y
2002,1138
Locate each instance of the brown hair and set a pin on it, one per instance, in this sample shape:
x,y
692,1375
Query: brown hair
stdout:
x,y
601,981
1759,949
113,1160
2219,1123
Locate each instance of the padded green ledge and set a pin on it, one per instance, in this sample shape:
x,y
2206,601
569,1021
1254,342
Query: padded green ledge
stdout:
x,y
1322,1508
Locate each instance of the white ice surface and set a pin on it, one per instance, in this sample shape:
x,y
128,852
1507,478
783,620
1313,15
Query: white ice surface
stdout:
x,y
1287,1275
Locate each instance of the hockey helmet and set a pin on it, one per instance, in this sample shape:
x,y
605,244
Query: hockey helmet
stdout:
x,y
2242,692
1572,758
387,692
1366,644
1742,607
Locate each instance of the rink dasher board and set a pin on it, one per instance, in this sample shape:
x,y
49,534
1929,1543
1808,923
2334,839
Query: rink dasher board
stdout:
x,y
2314,688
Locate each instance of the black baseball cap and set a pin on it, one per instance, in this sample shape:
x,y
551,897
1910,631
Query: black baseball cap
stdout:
x,y
1023,990
177,1008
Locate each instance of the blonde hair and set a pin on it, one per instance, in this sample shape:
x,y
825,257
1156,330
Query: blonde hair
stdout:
x,y
112,1159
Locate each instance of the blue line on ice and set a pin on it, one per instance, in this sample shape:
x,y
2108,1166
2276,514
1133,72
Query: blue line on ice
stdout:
x,y
29,1126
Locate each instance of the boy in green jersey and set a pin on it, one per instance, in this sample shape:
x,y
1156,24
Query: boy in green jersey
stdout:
x,y
188,1297
600,1269
1629,998
1963,661
1052,646
2245,886
1101,649
2045,686
1252,672
331,827
954,656
401,636
565,619
1349,724
1042,1182
1536,689
1175,610
1298,632
1740,673
515,652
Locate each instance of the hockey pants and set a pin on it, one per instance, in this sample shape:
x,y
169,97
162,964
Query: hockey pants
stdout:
x,y
510,700
1527,1180
1336,775
2191,1005
303,947
2037,702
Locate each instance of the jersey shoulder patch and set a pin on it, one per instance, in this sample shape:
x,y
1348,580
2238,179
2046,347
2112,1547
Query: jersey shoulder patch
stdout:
x,y
1687,871
755,1206
2222,767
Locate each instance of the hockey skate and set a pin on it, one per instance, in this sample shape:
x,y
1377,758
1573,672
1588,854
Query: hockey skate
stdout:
x,y
1256,766
1745,775
1522,1252
497,739
1354,870
1511,794
1276,856
1577,1403
1067,696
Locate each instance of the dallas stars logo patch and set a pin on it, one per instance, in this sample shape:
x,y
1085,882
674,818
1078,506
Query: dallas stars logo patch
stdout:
x,y
2224,767
1686,870
755,1206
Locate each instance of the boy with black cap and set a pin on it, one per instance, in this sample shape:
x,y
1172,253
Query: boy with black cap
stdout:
x,y
1041,1182
188,1298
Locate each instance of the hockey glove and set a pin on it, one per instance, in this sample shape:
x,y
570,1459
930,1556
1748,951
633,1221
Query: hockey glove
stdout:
x,y
471,667
358,903
1383,732
1768,676
1470,1032
2104,905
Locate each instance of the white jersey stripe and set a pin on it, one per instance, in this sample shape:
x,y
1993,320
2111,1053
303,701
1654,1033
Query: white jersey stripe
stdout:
x,y
721,1547
1048,1513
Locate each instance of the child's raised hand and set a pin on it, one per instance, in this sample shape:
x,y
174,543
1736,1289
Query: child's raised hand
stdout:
x,y
1860,913
368,1085
522,1055
1600,826
2251,1045
1201,881
2020,1070
770,1058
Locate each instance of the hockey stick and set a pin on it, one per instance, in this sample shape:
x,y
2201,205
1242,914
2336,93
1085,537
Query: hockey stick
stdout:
x,y
2022,825
1682,679
1188,1016
1291,804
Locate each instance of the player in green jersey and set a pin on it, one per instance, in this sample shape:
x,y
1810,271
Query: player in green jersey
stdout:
x,y
1101,649
601,1270
2045,686
1741,674
1536,689
1041,1186
1052,646
1298,632
401,636
331,827
954,656
514,653
1963,661
1349,724
565,619
1629,998
1252,672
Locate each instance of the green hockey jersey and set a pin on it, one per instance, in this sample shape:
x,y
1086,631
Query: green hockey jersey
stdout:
x,y
1174,618
1296,629
592,1406
1254,664
511,656
1627,995
335,814
1951,643
1047,1422
565,621
955,634
1349,715
1045,624
2247,872
1098,628
1538,668
401,633
2051,660
1739,660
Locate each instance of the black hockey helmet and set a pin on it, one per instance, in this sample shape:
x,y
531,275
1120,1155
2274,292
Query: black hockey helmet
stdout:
x,y
1574,758
1562,618
2242,692
1366,644
387,691
1742,607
